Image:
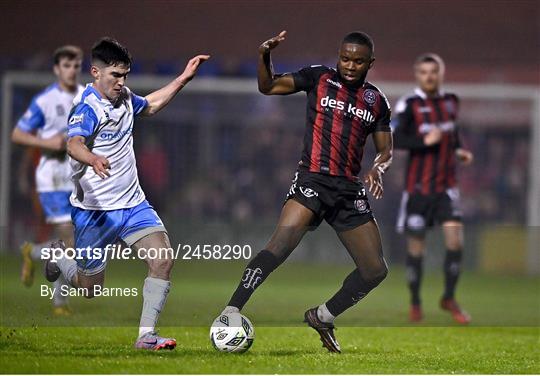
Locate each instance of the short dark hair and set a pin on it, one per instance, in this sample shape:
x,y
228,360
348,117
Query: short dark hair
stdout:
x,y
111,52
430,57
361,38
69,52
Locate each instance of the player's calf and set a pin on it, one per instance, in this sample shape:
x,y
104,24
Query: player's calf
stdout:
x,y
258,269
355,287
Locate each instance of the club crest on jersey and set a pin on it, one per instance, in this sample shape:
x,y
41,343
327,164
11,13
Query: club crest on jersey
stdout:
x,y
370,97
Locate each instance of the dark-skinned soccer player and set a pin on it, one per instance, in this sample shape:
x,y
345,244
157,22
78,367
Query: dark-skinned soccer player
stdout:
x,y
343,109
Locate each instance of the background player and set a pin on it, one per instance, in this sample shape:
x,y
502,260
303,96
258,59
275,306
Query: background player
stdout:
x,y
108,203
343,109
426,126
44,126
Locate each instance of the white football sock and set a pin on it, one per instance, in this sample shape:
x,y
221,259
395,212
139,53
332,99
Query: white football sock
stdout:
x,y
230,309
155,293
59,299
36,250
324,314
68,267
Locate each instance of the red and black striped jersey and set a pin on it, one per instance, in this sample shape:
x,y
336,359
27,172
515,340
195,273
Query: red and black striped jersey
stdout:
x,y
430,169
339,118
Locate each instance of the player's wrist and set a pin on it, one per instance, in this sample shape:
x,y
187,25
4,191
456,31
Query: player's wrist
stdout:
x,y
264,50
182,80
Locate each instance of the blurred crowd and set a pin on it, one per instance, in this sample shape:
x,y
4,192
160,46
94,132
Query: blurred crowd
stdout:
x,y
231,160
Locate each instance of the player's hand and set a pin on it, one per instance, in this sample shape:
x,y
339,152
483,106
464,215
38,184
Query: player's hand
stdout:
x,y
464,156
373,180
100,164
433,137
192,66
272,43
55,143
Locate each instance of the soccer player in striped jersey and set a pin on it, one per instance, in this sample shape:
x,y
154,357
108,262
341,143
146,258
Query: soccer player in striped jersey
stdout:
x,y
109,205
44,126
343,109
426,126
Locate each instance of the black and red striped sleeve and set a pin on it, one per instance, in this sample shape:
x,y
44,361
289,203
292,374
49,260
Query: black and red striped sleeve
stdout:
x,y
306,78
405,135
382,123
457,139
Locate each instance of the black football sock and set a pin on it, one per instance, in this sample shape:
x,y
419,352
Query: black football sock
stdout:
x,y
255,273
414,277
452,268
353,290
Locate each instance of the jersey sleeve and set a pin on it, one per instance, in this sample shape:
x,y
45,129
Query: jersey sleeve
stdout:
x,y
457,138
82,121
405,136
382,123
32,119
306,78
139,103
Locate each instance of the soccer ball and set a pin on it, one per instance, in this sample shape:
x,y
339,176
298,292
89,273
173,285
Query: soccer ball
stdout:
x,y
232,332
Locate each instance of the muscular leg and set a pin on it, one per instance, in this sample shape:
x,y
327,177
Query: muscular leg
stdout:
x,y
364,245
416,246
293,223
157,284
453,239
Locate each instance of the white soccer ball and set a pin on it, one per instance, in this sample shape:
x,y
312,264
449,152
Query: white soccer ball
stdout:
x,y
232,332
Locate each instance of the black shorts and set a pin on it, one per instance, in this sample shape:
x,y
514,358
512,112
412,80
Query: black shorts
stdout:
x,y
419,212
338,200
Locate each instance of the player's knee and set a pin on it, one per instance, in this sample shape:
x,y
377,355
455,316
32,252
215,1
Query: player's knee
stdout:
x,y
454,245
380,274
373,277
161,267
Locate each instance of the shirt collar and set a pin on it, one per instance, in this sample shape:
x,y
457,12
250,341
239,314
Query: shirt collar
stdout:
x,y
423,95
94,90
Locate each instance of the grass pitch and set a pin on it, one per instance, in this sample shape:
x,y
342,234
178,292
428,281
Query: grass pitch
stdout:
x,y
375,335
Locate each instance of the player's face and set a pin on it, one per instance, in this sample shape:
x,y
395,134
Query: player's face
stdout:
x,y
110,79
428,76
67,71
354,62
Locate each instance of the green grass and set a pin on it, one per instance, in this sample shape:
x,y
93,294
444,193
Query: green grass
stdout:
x,y
374,335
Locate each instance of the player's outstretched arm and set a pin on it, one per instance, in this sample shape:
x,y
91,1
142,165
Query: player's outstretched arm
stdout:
x,y
269,82
383,160
160,98
54,143
77,150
